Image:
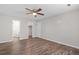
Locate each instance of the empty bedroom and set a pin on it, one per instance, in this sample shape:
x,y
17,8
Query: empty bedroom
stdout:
x,y
39,29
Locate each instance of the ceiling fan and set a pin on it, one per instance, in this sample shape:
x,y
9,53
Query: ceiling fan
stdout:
x,y
34,12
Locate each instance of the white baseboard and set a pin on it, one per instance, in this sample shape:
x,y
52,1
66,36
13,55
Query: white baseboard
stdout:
x,y
4,41
46,39
60,42
11,40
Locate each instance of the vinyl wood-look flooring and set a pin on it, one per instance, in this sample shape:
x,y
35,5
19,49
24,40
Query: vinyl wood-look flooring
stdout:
x,y
36,46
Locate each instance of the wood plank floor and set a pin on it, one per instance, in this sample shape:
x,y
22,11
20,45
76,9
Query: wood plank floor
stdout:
x,y
36,46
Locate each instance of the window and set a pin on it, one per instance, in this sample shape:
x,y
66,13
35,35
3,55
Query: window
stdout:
x,y
15,28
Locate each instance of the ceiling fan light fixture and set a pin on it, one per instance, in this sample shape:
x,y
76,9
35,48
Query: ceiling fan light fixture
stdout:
x,y
34,14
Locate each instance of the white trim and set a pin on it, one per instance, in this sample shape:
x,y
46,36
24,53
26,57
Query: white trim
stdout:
x,y
49,40
4,41
60,42
11,40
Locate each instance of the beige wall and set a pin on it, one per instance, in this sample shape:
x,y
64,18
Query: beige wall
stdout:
x,y
6,28
63,28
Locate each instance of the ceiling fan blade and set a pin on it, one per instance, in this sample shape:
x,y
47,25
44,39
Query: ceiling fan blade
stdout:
x,y
38,10
41,14
28,9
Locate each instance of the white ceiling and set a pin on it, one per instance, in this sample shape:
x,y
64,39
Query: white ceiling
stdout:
x,y
50,10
